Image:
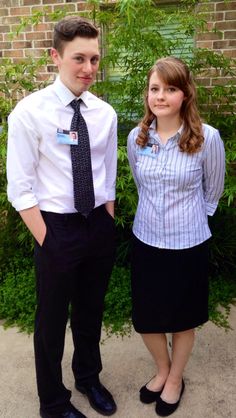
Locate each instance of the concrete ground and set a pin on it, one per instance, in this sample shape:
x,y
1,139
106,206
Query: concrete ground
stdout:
x,y
210,375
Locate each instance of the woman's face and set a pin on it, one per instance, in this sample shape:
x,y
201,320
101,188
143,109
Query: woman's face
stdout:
x,y
164,100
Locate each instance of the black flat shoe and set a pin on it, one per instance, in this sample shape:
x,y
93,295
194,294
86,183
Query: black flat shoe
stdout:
x,y
72,412
164,409
148,396
99,398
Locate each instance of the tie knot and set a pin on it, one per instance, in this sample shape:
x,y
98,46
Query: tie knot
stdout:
x,y
75,104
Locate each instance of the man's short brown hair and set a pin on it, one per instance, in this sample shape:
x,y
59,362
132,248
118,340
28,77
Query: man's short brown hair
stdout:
x,y
71,26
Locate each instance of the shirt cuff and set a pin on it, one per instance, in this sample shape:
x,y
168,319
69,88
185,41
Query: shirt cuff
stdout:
x,y
211,208
24,202
111,195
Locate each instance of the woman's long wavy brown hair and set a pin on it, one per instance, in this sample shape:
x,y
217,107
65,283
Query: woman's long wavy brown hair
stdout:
x,y
174,72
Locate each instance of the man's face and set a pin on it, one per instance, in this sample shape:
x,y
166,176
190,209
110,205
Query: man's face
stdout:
x,y
78,63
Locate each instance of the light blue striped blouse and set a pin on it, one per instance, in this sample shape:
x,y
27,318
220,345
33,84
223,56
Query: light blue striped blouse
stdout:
x,y
176,190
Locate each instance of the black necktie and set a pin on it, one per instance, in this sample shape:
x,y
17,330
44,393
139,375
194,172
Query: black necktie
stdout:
x,y
81,164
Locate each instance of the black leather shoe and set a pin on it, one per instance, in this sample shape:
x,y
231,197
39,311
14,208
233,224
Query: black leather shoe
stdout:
x,y
72,412
99,398
164,409
148,396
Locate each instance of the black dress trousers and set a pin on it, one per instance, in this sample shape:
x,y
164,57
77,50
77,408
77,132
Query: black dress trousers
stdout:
x,y
73,267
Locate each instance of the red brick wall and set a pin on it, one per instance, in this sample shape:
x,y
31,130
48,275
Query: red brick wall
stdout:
x,y
34,39
221,24
220,15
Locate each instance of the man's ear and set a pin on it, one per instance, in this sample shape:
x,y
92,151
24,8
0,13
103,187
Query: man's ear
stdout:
x,y
55,56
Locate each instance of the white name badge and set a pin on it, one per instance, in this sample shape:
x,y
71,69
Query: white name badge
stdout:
x,y
149,150
67,137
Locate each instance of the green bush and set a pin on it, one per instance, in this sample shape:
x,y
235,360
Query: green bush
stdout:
x,y
133,40
17,299
221,295
117,314
223,244
17,295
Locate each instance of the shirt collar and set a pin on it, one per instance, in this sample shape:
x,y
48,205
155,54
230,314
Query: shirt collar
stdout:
x,y
65,95
154,124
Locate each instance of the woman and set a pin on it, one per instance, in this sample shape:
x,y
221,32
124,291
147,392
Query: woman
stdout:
x,y
179,186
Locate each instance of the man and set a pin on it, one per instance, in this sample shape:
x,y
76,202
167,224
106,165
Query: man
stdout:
x,y
74,248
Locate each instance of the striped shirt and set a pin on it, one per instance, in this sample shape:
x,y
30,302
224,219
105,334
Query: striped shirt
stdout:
x,y
177,191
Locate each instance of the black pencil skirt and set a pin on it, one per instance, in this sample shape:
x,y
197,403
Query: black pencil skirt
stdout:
x,y
169,288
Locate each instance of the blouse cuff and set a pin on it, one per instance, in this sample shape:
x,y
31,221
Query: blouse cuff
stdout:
x,y
210,208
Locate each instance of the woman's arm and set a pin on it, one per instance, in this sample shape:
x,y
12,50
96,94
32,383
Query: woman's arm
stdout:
x,y
213,172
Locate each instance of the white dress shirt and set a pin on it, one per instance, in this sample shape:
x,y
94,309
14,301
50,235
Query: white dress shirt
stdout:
x,y
176,190
39,169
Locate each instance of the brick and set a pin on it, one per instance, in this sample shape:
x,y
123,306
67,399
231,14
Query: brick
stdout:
x,y
210,72
9,20
35,35
4,12
13,53
42,69
230,34
51,68
43,77
31,2
204,44
49,19
34,53
83,6
226,5
67,8
205,73
209,36
27,28
203,81
224,73
20,11
210,26
43,27
231,53
16,59
230,16
21,44
205,7
43,44
223,81
4,28
8,37
225,25
232,43
220,44
5,45
213,17
49,35
217,16
52,1
10,3
43,9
